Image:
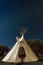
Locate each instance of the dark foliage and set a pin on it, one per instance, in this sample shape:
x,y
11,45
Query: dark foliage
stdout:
x,y
3,50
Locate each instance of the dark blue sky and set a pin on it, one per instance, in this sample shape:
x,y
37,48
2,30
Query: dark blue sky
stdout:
x,y
16,13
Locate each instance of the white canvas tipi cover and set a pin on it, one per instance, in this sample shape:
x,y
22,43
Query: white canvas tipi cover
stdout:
x,y
12,56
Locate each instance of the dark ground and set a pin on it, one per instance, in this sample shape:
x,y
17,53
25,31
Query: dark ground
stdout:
x,y
33,63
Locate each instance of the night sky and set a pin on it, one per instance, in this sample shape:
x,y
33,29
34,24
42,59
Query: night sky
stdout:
x,y
16,13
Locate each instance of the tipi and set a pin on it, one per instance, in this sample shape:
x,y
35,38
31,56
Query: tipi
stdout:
x,y
20,51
